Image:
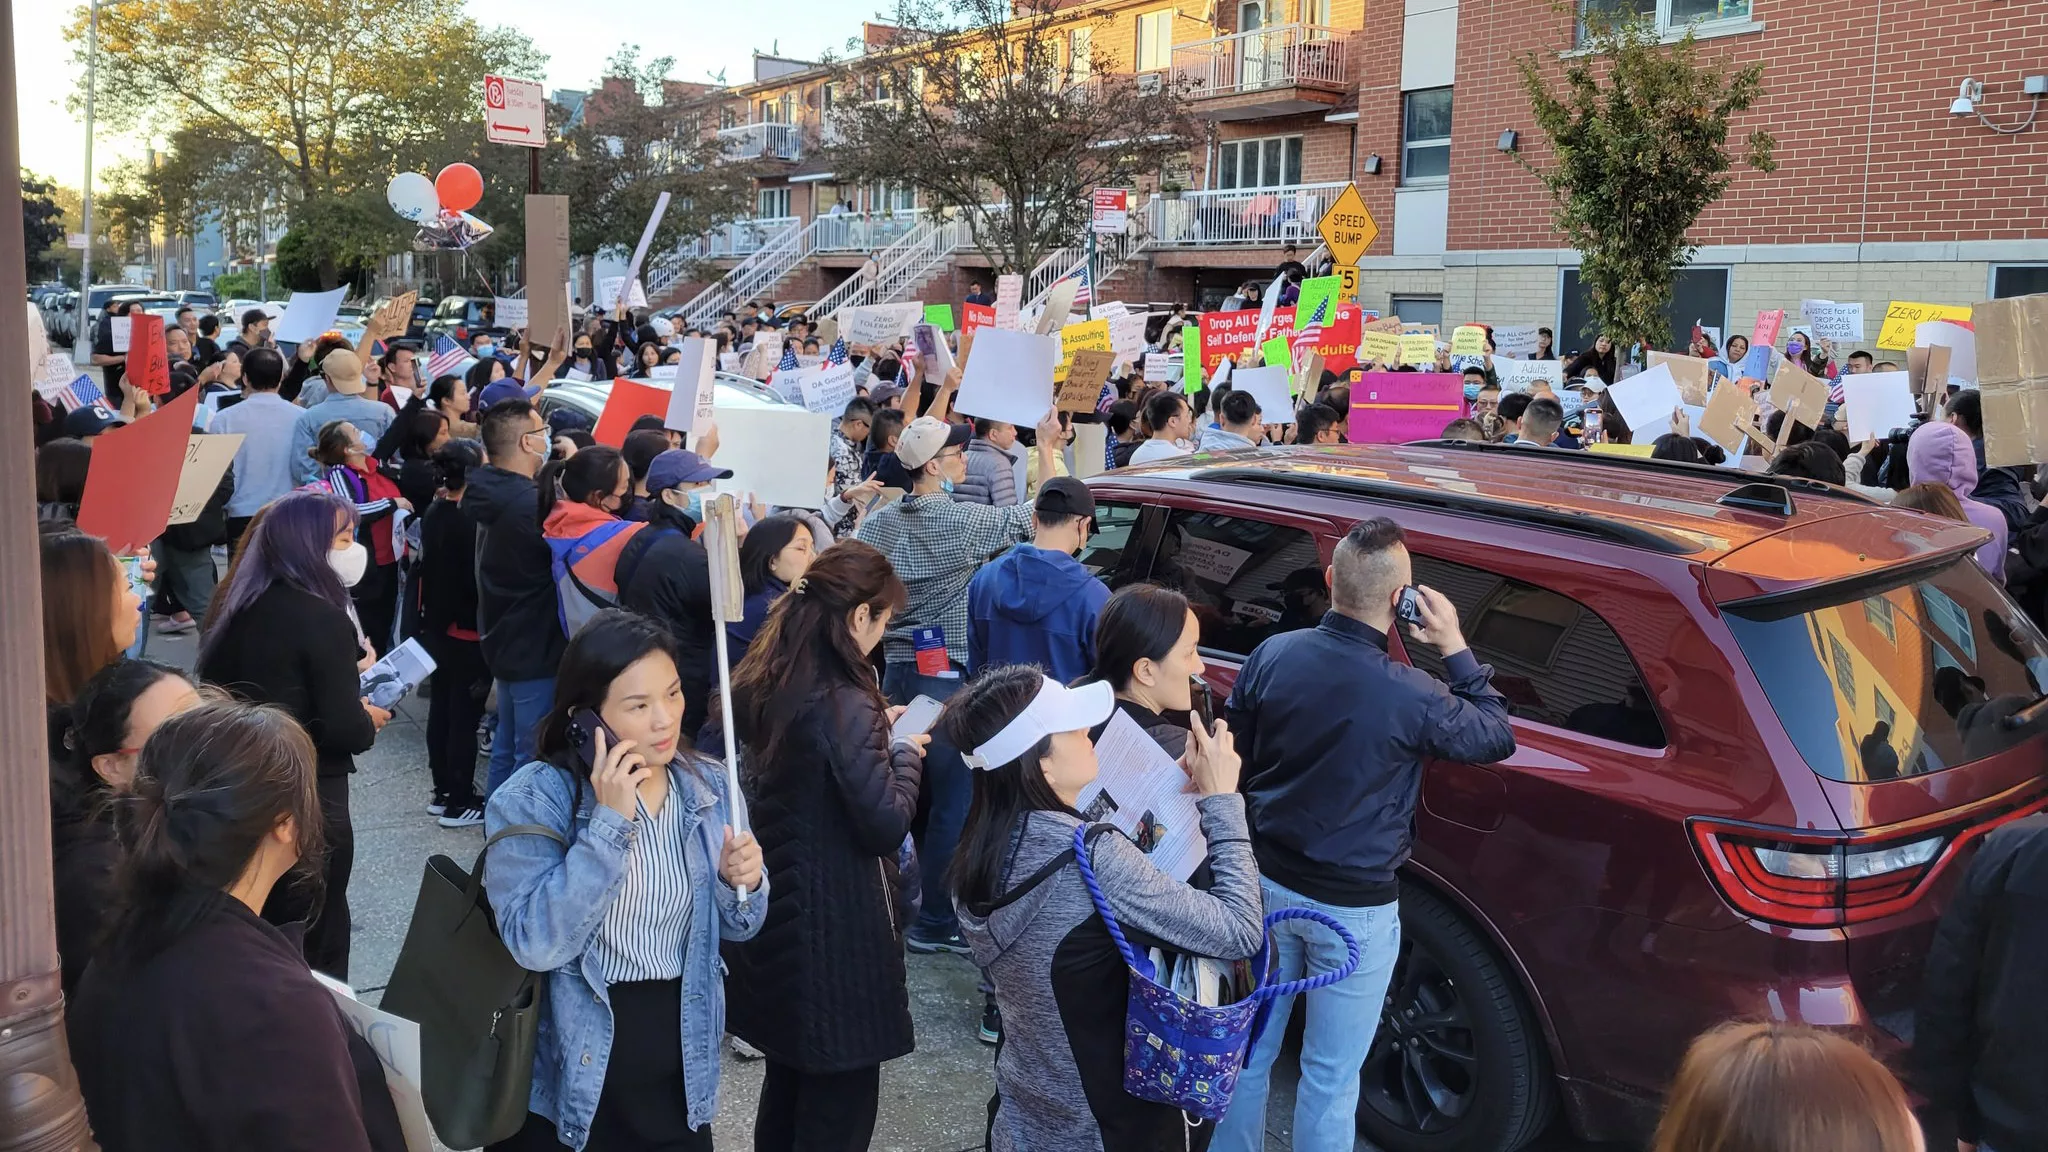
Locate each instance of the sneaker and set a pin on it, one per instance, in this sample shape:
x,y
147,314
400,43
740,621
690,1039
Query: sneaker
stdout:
x,y
951,943
991,1023
746,1051
466,816
438,807
172,626
486,732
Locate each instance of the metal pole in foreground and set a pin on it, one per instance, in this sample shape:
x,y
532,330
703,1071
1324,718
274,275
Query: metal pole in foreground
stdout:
x,y
40,1109
83,336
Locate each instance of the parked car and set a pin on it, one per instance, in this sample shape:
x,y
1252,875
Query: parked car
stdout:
x,y
462,317
1761,726
63,323
198,299
588,396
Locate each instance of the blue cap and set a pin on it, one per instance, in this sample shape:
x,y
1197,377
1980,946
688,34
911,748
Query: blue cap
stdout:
x,y
498,390
681,466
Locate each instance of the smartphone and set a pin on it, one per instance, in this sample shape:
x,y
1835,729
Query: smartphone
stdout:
x,y
1205,707
1591,416
1409,608
584,726
917,719
137,584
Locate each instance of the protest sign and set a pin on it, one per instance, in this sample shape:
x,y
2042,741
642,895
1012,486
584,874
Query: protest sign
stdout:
x,y
1161,368
206,461
1524,375
1275,351
1009,300
1391,324
826,388
396,1041
1089,334
1419,348
547,263
117,331
1380,348
1059,303
1514,340
510,311
760,360
1468,340
1640,451
1694,375
149,360
1901,317
1800,396
1730,418
638,298
1646,397
827,332
1927,368
629,401
1270,304
1141,789
1227,334
939,316
932,349
1091,449
772,451
1081,387
1396,407
875,325
1324,292
1127,335
2012,373
307,315
56,375
1961,343
608,290
694,389
131,481
974,316
1832,321
1768,321
1878,403
1010,377
1269,386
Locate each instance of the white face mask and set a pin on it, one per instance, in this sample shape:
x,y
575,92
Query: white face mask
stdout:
x,y
350,563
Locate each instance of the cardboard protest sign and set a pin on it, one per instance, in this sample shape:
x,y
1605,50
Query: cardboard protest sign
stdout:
x,y
1059,304
510,310
826,388
629,401
1525,375
149,361
1089,334
1901,317
1878,403
1009,377
206,461
939,316
1324,292
1468,340
2012,373
547,263
1268,386
1832,321
974,316
307,315
695,387
1418,349
1927,369
1961,343
131,482
1800,396
1396,407
1647,397
1768,321
1391,324
1694,376
760,360
1009,300
775,453
1515,340
1081,388
1730,419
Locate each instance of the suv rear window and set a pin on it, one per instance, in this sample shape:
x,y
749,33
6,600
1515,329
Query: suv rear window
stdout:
x,y
1236,574
1902,681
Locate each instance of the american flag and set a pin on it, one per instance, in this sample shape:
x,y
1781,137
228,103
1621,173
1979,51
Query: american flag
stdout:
x,y
837,354
446,357
789,361
80,393
1082,295
1835,393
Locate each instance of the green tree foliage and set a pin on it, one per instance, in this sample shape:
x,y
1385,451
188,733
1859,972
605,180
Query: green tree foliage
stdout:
x,y
1638,133
42,226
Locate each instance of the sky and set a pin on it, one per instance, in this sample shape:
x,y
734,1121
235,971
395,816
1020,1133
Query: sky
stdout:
x,y
704,36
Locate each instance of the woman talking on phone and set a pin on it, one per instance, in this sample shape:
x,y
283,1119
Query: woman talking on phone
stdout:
x,y
624,913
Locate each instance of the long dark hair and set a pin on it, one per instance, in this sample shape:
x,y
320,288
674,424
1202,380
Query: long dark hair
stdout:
x,y
289,546
805,645
61,465
600,652
1140,622
98,726
212,782
78,580
454,461
1004,793
585,478
765,541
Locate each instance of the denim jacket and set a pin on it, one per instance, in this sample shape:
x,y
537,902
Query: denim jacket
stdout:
x,y
549,901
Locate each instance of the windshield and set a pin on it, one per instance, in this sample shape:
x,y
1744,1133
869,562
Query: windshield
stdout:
x,y
1902,681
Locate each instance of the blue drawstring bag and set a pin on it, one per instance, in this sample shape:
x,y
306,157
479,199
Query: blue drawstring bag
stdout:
x,y
1186,1054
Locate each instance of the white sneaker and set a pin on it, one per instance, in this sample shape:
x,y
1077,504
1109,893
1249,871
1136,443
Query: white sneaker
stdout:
x,y
437,809
746,1051
463,817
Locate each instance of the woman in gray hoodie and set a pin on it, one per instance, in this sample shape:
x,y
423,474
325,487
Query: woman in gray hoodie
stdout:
x,y
1025,912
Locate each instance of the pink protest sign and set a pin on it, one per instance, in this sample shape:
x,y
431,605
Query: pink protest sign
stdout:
x,y
1765,335
1396,407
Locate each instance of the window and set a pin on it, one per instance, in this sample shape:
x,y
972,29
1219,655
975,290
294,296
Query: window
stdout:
x,y
1080,54
1268,162
1556,661
1418,309
1316,13
1250,16
2018,280
1233,572
1426,136
727,118
1108,555
1155,40
1878,611
1669,15
771,202
890,196
1698,296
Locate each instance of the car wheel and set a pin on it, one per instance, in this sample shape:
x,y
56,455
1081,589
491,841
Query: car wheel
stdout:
x,y
1458,1065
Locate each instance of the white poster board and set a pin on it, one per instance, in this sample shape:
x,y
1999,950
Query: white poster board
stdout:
x,y
1646,398
1962,348
1832,321
1878,402
1513,340
695,387
827,388
307,315
396,1041
510,311
117,331
1268,386
879,324
608,291
1522,375
1009,299
778,454
1009,377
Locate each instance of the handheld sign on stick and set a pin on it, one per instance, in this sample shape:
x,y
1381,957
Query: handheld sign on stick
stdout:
x,y
728,605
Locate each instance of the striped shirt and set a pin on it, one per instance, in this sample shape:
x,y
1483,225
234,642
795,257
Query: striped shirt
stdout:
x,y
644,934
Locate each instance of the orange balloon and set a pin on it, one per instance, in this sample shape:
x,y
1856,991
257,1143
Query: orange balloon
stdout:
x,y
460,187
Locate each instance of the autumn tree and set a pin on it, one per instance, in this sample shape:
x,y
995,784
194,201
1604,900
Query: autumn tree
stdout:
x,y
42,226
1638,135
973,104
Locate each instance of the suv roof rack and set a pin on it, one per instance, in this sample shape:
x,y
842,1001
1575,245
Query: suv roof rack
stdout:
x,y
1645,464
1479,507
1762,496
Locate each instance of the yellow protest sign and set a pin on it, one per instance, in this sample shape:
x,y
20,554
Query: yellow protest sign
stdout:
x,y
1348,227
1092,334
1468,340
1418,349
1903,316
1380,347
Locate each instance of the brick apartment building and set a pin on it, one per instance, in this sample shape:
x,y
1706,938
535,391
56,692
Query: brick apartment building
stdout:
x,y
1881,192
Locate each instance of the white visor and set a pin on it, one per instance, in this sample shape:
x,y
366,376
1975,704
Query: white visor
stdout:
x,y
1056,708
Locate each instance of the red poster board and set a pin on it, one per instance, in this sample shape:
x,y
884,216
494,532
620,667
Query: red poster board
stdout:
x,y
629,401
974,316
149,360
1396,407
133,478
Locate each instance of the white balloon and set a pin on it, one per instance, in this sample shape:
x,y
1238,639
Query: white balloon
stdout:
x,y
412,196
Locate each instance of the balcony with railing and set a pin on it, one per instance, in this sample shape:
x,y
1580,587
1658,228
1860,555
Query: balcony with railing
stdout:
x,y
761,142
1244,217
1278,70
851,232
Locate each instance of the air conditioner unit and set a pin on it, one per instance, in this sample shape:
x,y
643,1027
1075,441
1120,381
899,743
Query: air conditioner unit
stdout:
x,y
1149,81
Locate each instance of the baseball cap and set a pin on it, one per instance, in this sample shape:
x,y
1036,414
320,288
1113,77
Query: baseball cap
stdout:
x,y
253,317
344,372
1064,496
496,390
90,420
926,437
1056,708
681,466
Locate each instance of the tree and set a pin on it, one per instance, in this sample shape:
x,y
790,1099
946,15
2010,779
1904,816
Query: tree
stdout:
x,y
1638,132
42,226
972,106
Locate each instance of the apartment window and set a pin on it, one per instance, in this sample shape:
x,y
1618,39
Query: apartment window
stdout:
x,y
1669,15
1080,53
1315,12
1155,40
2018,280
891,196
727,118
1418,309
770,203
1426,137
1267,162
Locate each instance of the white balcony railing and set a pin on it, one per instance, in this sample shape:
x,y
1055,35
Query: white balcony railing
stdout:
x,y
761,142
1244,216
863,231
1281,56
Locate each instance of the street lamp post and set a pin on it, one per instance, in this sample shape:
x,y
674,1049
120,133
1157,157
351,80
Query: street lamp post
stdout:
x,y
83,335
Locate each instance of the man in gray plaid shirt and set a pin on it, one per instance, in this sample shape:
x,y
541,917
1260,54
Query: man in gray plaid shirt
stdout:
x,y
936,544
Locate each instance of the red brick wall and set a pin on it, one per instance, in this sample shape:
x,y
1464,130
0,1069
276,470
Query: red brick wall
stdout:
x,y
1378,49
1932,176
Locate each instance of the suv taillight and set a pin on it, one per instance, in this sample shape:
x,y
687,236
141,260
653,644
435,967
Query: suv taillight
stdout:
x,y
461,334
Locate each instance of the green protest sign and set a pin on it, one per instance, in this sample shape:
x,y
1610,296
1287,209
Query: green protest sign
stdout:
x,y
939,316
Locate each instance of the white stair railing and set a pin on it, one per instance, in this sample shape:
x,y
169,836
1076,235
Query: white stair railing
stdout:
x,y
749,238
752,276
1111,254
863,286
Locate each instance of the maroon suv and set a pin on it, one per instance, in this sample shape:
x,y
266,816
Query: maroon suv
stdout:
x,y
1761,723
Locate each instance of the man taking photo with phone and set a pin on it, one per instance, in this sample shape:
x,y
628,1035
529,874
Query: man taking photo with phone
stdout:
x,y
1334,734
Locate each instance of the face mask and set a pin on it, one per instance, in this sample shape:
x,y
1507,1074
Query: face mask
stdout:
x,y
483,350
350,563
946,486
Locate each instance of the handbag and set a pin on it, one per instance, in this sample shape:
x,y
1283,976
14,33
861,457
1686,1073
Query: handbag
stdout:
x,y
1186,1054
477,1009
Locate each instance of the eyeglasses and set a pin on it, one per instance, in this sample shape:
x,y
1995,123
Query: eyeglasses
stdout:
x,y
951,452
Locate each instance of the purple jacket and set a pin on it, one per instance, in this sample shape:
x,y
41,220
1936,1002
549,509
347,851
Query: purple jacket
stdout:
x,y
1941,453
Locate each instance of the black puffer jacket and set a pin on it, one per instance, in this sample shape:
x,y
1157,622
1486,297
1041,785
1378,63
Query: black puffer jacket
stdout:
x,y
821,988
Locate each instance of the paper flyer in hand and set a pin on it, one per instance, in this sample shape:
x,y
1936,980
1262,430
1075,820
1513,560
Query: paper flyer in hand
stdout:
x,y
401,670
1142,790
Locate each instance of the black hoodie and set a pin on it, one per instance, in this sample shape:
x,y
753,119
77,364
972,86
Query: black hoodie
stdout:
x,y
516,606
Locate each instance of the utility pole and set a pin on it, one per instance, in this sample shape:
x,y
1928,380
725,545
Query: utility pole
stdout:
x,y
262,243
40,1108
83,337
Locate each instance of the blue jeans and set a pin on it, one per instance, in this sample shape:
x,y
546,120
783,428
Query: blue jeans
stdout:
x,y
1341,1021
947,788
521,704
